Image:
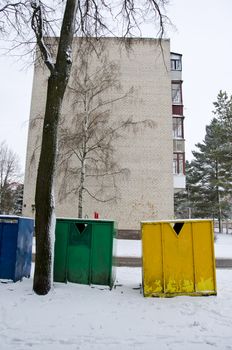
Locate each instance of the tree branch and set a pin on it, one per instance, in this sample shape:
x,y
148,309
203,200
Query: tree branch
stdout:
x,y
37,24
94,196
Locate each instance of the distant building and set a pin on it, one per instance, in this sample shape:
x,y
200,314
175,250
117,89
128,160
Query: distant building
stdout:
x,y
154,156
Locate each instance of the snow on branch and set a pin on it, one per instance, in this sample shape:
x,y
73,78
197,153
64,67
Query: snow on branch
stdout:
x,y
37,24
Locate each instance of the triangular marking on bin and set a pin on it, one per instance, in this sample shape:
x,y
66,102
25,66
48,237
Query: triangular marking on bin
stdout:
x,y
80,226
177,227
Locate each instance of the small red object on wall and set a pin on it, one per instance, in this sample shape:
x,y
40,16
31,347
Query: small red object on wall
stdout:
x,y
96,215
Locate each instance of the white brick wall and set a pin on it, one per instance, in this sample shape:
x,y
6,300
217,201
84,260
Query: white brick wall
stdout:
x,y
148,191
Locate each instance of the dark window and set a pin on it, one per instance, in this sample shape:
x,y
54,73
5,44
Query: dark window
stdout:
x,y
176,64
178,163
178,127
177,109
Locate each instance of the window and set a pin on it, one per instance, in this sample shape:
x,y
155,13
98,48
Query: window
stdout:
x,y
178,163
176,64
176,61
176,93
177,110
178,127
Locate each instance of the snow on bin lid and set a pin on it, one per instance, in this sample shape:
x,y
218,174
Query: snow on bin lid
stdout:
x,y
13,218
176,220
84,219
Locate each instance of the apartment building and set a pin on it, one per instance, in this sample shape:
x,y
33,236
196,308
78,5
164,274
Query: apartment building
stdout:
x,y
150,150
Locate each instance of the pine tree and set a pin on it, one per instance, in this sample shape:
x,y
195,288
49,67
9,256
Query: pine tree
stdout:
x,y
223,112
18,199
209,175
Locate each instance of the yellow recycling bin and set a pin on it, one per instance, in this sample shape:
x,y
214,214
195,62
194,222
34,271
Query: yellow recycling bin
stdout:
x,y
178,258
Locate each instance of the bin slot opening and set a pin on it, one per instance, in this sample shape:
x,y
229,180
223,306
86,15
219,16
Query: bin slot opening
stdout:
x,y
177,227
80,226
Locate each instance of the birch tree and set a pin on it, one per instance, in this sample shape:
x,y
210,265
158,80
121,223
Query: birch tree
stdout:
x,y
9,178
87,148
31,21
87,141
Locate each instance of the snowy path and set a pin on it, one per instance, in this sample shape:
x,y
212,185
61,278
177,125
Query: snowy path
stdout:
x,y
76,316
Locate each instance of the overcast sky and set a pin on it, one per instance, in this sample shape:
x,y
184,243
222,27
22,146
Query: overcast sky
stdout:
x,y
202,35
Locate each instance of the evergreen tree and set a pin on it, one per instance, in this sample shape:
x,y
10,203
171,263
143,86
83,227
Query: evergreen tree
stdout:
x,y
18,199
223,111
209,164
208,176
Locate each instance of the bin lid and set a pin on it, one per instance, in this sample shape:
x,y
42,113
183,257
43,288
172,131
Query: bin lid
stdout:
x,y
13,217
173,221
83,219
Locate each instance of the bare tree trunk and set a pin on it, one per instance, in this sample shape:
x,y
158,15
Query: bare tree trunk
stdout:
x,y
44,201
83,160
219,214
80,197
218,203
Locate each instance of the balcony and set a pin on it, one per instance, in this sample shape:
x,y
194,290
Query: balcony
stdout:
x,y
179,182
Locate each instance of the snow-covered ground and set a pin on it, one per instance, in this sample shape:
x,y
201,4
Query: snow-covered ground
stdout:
x,y
84,317
133,248
222,246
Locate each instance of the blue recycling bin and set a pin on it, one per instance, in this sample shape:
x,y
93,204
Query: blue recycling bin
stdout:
x,y
16,234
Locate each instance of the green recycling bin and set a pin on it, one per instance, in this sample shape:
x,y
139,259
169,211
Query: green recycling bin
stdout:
x,y
84,251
